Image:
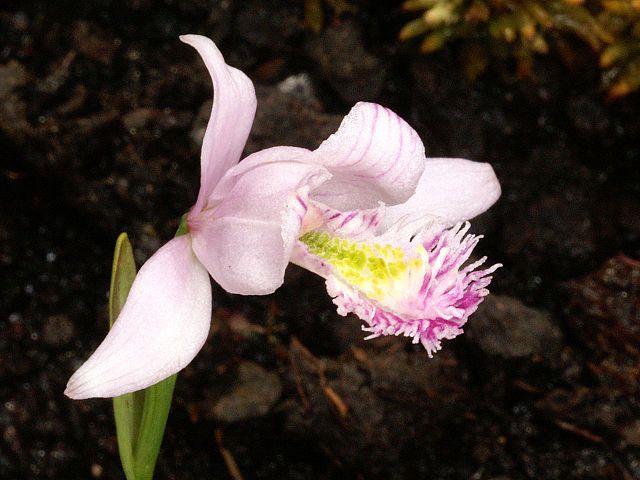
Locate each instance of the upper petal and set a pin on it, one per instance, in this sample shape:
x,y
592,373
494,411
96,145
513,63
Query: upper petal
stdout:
x,y
161,327
451,189
245,240
234,107
374,156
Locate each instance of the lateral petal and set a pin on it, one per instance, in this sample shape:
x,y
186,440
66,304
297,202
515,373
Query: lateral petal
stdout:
x,y
451,189
374,156
245,241
161,327
234,107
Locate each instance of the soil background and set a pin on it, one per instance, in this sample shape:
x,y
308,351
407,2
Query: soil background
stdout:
x,y
102,111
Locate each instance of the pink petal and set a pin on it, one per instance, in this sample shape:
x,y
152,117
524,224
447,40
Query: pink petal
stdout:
x,y
451,189
246,240
374,156
161,328
234,107
274,155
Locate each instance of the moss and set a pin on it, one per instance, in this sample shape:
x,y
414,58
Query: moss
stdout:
x,y
522,29
620,60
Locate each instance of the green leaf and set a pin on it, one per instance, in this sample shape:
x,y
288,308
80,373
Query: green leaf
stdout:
x,y
157,403
128,408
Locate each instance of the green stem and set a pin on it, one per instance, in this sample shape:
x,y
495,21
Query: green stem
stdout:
x,y
157,403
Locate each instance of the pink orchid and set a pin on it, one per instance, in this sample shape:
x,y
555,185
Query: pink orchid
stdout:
x,y
397,267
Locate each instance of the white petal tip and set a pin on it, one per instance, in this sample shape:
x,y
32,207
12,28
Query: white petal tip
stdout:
x,y
75,395
78,389
71,393
85,383
188,38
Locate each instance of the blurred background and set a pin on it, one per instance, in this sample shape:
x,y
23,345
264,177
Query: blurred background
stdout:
x,y
102,111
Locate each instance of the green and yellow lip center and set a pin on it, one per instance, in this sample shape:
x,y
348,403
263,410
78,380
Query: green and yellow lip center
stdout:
x,y
376,270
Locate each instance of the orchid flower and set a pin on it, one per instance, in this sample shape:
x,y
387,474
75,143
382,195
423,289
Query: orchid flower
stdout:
x,y
366,210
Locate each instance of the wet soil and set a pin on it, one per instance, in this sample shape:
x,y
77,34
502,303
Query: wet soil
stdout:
x,y
101,115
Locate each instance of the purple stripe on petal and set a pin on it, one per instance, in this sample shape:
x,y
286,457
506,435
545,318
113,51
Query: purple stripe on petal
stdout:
x,y
374,156
347,219
301,202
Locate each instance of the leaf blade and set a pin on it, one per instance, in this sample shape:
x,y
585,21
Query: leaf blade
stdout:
x,y
128,408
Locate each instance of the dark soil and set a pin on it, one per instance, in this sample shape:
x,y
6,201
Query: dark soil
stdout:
x,y
99,133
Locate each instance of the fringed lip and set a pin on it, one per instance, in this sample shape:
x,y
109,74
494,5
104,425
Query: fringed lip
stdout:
x,y
436,295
